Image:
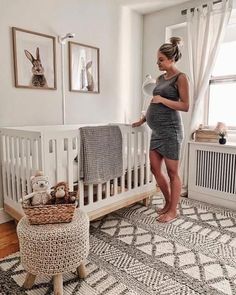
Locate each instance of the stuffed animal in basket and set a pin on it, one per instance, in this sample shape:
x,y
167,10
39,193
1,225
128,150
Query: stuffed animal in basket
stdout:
x,y
61,194
41,191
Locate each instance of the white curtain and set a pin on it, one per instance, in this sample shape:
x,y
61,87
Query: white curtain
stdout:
x,y
206,27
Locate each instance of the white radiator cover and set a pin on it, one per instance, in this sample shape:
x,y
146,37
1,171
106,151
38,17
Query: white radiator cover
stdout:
x,y
212,173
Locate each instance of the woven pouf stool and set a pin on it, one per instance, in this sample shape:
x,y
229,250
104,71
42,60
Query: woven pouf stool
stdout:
x,y
53,249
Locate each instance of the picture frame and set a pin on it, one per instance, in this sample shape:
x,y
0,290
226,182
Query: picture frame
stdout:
x,y
83,68
34,57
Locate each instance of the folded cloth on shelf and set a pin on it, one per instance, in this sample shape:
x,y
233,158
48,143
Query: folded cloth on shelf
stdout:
x,y
101,153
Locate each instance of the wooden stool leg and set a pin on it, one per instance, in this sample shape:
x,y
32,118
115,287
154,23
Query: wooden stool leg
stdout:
x,y
58,284
81,271
146,201
29,280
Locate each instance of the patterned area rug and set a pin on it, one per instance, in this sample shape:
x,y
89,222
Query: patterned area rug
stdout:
x,y
130,253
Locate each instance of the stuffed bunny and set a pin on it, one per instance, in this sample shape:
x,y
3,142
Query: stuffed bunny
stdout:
x,y
90,86
38,78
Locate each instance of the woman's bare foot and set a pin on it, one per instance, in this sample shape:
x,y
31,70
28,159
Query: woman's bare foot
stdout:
x,y
168,216
163,210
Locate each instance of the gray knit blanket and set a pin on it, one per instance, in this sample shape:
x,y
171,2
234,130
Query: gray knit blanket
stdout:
x,y
101,153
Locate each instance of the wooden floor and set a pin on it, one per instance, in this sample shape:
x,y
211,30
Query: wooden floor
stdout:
x,y
8,239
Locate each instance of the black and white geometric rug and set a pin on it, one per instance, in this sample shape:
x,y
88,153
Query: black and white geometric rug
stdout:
x,y
130,253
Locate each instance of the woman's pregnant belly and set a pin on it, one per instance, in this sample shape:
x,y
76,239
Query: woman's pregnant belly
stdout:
x,y
163,120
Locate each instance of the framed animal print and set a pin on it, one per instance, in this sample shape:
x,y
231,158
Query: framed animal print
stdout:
x,y
83,68
34,59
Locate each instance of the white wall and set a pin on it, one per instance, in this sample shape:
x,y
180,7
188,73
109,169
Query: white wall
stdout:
x,y
104,24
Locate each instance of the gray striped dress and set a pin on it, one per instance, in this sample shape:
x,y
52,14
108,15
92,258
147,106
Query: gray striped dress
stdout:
x,y
166,123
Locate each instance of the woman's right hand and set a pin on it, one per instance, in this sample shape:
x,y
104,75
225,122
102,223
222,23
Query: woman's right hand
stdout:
x,y
139,123
136,124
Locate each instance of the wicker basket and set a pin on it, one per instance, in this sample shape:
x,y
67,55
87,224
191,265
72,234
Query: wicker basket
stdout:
x,y
49,213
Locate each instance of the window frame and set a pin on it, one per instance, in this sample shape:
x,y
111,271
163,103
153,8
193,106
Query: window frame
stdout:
x,y
217,80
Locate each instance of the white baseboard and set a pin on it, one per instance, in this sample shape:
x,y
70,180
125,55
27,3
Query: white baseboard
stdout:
x,y
212,199
4,217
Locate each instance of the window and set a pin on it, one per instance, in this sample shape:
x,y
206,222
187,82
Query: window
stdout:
x,y
222,86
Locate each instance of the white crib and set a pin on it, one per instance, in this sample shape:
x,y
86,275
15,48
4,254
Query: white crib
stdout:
x,y
52,149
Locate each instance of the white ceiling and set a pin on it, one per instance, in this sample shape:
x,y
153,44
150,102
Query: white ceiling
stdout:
x,y
148,6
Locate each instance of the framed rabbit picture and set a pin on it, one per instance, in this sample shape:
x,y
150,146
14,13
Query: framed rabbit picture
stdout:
x,y
83,68
34,59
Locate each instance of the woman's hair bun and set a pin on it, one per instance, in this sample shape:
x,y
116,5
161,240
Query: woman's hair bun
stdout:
x,y
176,41
172,50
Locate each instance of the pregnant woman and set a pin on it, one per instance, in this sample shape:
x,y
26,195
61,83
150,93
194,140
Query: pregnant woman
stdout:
x,y
170,96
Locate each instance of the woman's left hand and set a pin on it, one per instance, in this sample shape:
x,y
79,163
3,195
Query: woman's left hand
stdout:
x,y
157,99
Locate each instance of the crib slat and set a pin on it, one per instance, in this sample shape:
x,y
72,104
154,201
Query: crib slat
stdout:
x,y
147,159
81,194
22,165
99,192
80,182
17,168
108,192
234,173
124,151
12,163
90,194
34,155
115,184
48,151
9,192
70,163
129,160
142,155
122,183
40,153
59,151
28,166
135,159
78,156
3,157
